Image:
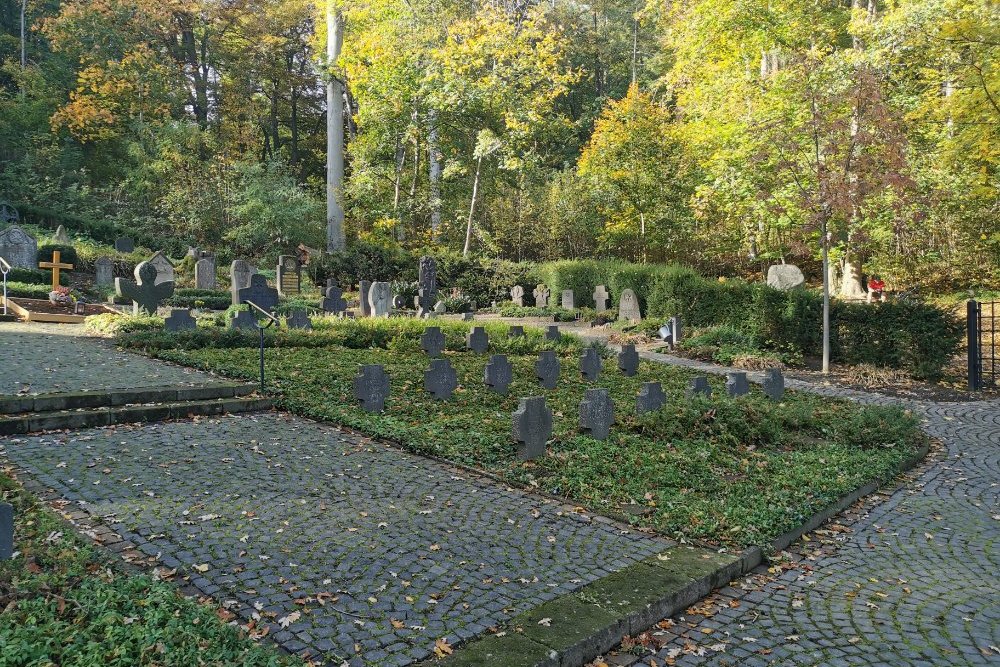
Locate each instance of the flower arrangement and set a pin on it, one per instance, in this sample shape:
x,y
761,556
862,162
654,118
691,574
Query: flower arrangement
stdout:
x,y
61,296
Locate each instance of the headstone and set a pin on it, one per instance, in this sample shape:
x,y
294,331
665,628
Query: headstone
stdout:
x,y
371,387
179,320
378,298
19,248
61,236
427,286
240,272
736,384
650,399
334,301
517,295
146,293
516,331
699,385
432,341
289,275
299,319
628,306
774,384
440,380
259,292
547,369
552,333
243,319
398,302
601,297
204,273
541,294
8,214
124,244
440,308
104,271
597,413
364,286
477,340
785,277
164,267
568,301
590,365
499,374
532,427
468,317
628,360
6,531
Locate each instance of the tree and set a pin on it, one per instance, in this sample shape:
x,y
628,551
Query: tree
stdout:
x,y
334,129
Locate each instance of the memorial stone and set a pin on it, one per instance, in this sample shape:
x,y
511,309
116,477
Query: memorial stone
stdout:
x,y
650,399
289,275
737,384
552,333
628,306
19,248
334,301
259,292
124,244
432,341
532,427
477,340
517,295
164,267
179,320
541,295
440,380
547,369
204,273
371,387
516,331
440,308
426,286
597,413
104,271
785,277
774,384
601,297
299,319
364,287
61,236
8,214
243,319
378,298
628,360
699,385
7,531
145,292
590,364
568,301
499,374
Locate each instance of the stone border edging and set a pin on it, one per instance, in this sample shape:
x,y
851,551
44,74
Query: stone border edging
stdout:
x,y
73,400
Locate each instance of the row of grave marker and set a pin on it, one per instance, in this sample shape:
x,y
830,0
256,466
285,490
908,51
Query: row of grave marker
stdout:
x,y
628,302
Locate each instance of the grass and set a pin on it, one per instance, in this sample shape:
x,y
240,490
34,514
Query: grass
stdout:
x,y
64,603
728,471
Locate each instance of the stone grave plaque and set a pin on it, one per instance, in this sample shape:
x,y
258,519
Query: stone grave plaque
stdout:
x,y
628,307
541,295
552,333
774,384
164,267
259,292
179,320
532,427
440,380
517,295
432,341
299,319
289,275
104,271
477,340
371,387
204,273
334,301
628,360
516,331
378,299
61,236
547,369
699,385
737,384
597,413
243,319
601,297
590,365
650,399
499,374
19,248
568,300
364,286
145,292
124,244
440,308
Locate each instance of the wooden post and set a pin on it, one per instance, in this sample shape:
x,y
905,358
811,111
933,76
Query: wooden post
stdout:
x,y
56,265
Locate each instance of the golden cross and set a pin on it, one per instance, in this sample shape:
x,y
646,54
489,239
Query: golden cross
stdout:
x,y
55,265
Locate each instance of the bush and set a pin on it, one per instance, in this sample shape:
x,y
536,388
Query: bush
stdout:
x,y
28,291
362,260
67,253
34,277
113,324
200,298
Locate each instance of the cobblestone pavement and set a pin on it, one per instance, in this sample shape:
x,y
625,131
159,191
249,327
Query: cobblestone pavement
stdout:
x,y
58,358
910,579
269,509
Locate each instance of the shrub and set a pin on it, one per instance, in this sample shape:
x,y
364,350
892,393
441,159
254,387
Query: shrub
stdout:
x,y
34,277
67,253
200,298
113,324
28,291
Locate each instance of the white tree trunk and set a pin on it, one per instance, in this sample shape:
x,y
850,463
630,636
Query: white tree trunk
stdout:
x,y
24,34
434,173
472,208
334,131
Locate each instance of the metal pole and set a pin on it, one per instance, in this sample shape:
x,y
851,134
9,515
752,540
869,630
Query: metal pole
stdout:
x,y
261,330
972,338
5,269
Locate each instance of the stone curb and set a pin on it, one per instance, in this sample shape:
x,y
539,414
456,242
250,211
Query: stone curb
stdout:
x,y
76,400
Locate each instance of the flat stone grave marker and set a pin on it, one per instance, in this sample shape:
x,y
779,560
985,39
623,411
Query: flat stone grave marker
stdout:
x,y
601,297
568,300
334,301
590,365
240,272
259,292
628,360
499,374
628,307
516,331
774,384
243,319
699,385
364,287
104,271
124,244
532,427
299,319
432,341
440,379
289,275
371,387
541,294
164,267
6,531
597,413
179,320
517,295
547,369
19,248
477,340
737,384
650,399
378,298
552,333
204,273
145,292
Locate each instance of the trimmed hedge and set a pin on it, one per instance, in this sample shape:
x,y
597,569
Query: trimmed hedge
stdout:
x,y
34,277
188,298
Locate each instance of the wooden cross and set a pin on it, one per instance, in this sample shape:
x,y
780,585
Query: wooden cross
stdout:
x,y
55,265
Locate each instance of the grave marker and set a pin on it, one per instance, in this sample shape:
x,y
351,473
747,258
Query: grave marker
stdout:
x,y
371,387
426,286
259,292
334,301
240,272
774,384
532,427
541,294
289,275
179,320
440,380
56,265
552,333
517,295
597,413
699,385
61,236
378,298
204,273
243,319
736,384
477,340
145,292
19,248
590,364
785,277
650,399
299,319
516,331
628,307
440,308
6,531
628,360
104,271
124,244
164,267
499,374
547,369
432,341
568,301
364,287
601,297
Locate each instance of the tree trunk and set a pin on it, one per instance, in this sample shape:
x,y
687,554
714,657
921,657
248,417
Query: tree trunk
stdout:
x,y
400,162
826,296
24,34
472,208
334,131
434,173
293,128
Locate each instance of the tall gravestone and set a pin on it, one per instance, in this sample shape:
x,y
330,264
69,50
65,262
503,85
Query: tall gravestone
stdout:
x,y
364,287
6,531
204,273
597,413
568,300
601,297
532,427
259,292
240,272
541,294
628,306
19,248
289,275
124,244
517,295
379,296
164,267
61,236
104,271
427,286
146,293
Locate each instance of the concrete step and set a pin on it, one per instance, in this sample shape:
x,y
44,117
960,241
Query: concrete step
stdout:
x,y
75,400
128,414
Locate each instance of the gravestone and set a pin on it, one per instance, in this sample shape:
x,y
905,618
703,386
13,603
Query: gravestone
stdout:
x,y
371,387
378,299
288,277
398,302
259,292
104,271
532,427
240,272
547,369
440,379
6,531
124,244
145,292
19,248
736,384
204,273
601,297
517,295
334,301
628,360
774,384
426,286
541,294
650,399
243,319
499,374
699,385
597,413
516,331
468,317
590,365
477,340
440,308
8,214
432,341
61,236
364,286
785,277
299,319
552,333
164,267
628,306
568,301
179,320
